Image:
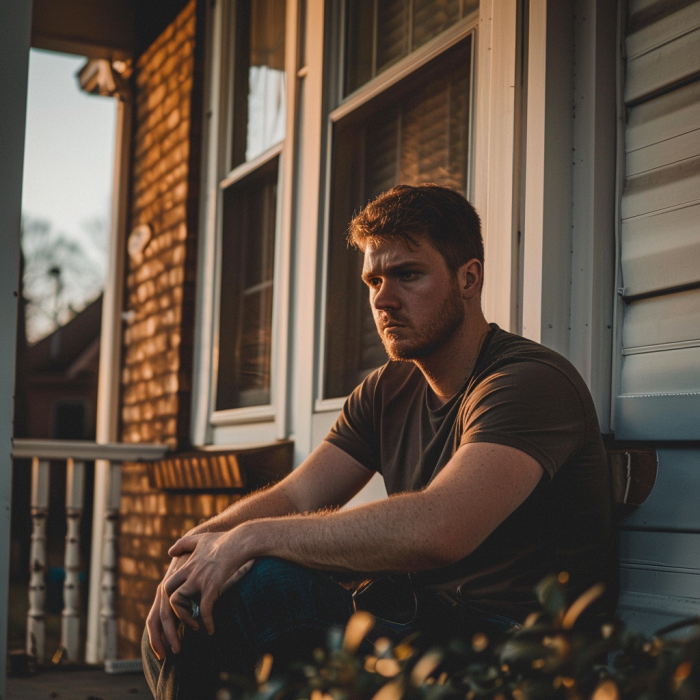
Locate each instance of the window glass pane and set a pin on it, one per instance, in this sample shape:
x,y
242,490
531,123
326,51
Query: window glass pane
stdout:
x,y
392,32
259,80
432,17
419,132
245,317
360,44
380,32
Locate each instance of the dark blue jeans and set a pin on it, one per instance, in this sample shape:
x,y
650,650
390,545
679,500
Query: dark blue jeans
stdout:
x,y
279,608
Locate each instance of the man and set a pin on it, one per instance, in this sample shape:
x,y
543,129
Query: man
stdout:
x,y
489,447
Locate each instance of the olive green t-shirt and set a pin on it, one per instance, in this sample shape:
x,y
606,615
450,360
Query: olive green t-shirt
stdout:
x,y
520,394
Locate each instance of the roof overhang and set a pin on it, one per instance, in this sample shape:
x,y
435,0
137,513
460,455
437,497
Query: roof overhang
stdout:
x,y
94,28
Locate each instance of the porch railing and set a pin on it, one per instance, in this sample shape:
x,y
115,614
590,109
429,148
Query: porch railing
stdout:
x,y
75,453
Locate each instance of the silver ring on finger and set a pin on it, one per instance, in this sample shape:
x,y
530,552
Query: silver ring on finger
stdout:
x,y
195,609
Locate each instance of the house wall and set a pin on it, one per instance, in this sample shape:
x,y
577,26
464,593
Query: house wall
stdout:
x,y
160,502
566,294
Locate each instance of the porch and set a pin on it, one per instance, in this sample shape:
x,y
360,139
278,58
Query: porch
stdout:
x,y
80,683
59,654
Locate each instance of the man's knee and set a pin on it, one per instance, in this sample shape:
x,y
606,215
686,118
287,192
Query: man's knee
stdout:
x,y
278,595
274,589
270,577
151,664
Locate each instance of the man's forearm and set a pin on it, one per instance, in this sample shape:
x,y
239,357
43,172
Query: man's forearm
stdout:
x,y
326,479
266,503
397,534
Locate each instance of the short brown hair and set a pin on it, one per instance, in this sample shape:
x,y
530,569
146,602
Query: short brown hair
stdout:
x,y
407,211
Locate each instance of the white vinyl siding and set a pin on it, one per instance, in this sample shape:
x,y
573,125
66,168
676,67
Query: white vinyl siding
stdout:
x,y
658,398
659,393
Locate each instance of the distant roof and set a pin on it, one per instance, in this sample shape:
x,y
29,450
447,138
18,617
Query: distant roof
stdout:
x,y
70,349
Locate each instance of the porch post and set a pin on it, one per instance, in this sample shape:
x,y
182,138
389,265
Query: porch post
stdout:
x,y
109,374
15,19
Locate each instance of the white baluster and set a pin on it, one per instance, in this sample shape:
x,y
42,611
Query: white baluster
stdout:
x,y
70,627
36,618
108,610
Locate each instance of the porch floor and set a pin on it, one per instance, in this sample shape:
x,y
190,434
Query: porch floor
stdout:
x,y
81,684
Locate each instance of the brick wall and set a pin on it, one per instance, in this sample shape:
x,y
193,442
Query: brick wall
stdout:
x,y
160,278
159,301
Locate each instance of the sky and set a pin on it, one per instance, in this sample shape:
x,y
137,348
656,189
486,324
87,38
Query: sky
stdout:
x,y
69,147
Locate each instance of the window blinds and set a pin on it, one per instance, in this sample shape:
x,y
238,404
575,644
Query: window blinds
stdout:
x,y
381,32
423,138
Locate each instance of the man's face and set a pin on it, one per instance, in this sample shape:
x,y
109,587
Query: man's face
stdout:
x,y
415,297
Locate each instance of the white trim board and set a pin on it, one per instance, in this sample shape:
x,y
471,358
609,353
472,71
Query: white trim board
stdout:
x,y
15,21
494,124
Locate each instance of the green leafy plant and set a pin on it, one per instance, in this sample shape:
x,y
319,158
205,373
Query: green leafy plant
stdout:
x,y
548,657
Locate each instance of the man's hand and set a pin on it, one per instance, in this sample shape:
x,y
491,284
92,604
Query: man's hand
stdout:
x,y
215,561
161,622
329,477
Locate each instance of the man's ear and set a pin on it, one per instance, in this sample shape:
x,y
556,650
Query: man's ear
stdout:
x,y
470,277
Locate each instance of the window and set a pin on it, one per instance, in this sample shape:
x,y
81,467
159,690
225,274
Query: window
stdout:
x,y
249,206
381,32
69,420
258,78
247,260
415,129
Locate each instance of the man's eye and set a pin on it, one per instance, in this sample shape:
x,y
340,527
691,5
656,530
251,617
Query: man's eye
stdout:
x,y
408,275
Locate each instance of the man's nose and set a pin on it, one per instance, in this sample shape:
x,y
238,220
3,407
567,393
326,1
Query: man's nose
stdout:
x,y
385,297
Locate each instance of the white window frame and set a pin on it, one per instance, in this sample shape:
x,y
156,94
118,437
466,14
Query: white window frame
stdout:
x,y
253,425
491,138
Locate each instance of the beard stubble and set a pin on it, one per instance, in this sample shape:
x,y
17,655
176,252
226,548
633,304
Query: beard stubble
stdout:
x,y
433,334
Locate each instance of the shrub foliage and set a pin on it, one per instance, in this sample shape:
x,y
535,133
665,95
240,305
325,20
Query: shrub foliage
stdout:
x,y
549,657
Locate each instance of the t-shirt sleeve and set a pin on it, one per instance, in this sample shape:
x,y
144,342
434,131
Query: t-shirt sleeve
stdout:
x,y
531,406
355,430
